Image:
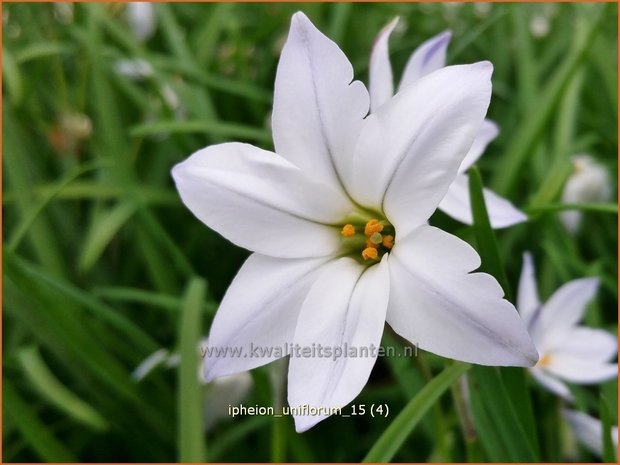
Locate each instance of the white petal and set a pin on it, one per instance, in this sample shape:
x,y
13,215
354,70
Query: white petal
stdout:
x,y
528,301
428,57
149,364
317,110
457,204
563,310
579,370
380,79
595,345
420,138
260,201
222,393
488,131
436,302
259,310
552,384
345,309
141,19
589,431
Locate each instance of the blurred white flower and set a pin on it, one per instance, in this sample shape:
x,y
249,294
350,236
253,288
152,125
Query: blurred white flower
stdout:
x,y
427,58
482,9
141,19
589,431
540,26
63,12
568,352
589,182
338,220
136,68
218,394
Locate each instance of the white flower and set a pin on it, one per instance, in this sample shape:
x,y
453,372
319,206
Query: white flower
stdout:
x,y
134,68
337,218
589,431
141,19
568,352
427,58
589,182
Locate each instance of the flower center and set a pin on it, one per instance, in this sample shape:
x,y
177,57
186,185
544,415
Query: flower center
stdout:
x,y
367,240
544,361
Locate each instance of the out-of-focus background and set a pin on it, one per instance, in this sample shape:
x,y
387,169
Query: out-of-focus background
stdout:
x,y
103,267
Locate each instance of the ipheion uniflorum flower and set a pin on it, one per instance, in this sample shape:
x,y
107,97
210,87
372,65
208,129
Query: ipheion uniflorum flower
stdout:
x,y
337,219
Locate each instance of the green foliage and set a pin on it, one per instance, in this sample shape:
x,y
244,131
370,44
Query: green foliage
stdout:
x,y
103,265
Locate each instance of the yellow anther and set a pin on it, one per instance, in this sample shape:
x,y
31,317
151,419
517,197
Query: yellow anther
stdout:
x,y
376,238
348,230
373,226
544,361
370,253
388,241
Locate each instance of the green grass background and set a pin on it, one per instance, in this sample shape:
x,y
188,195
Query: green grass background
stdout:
x,y
102,264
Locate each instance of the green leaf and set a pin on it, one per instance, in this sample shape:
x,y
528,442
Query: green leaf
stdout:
x,y
609,451
485,236
395,435
534,123
101,232
610,208
37,433
57,393
192,447
499,416
212,128
12,77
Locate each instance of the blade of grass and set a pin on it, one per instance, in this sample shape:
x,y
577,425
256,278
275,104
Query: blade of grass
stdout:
x,y
102,231
192,444
213,128
610,208
36,433
401,427
526,136
57,393
29,217
12,77
609,454
485,235
524,444
71,293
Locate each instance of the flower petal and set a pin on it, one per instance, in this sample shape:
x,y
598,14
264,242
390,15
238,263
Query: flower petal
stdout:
x,y
457,204
317,110
528,301
589,431
552,384
488,131
345,309
260,201
259,310
563,310
579,370
410,151
380,79
436,302
428,57
596,345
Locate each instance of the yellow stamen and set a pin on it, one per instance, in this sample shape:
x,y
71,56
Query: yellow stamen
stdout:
x,y
370,253
544,361
376,238
388,241
348,230
373,226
